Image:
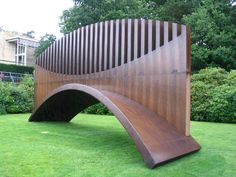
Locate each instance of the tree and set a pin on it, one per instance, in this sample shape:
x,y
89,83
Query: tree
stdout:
x,y
92,11
44,43
213,35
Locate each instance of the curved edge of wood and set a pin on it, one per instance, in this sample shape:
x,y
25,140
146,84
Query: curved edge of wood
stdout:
x,y
148,131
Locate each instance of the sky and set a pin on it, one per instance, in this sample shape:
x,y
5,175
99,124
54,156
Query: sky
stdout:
x,y
41,16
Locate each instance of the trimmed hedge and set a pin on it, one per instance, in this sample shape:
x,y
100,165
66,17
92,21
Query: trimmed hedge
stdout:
x,y
16,68
213,95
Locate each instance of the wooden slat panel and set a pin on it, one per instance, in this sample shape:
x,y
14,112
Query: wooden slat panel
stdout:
x,y
149,35
82,52
63,57
100,47
74,63
54,57
78,58
123,54
60,56
129,38
157,34
86,61
111,44
91,44
135,39
95,47
174,30
106,46
70,61
67,54
142,37
117,47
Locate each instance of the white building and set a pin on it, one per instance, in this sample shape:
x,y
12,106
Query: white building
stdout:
x,y
17,49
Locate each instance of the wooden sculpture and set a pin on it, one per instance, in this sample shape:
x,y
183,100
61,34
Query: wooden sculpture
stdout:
x,y
139,69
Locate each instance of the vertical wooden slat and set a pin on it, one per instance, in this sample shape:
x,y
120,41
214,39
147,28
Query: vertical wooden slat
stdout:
x,y
78,41
95,46
67,54
51,58
106,45
122,41
111,44
48,58
166,32
117,47
60,56
82,52
56,56
70,47
158,34
129,37
142,37
135,39
174,30
74,64
100,47
91,44
150,35
86,61
63,55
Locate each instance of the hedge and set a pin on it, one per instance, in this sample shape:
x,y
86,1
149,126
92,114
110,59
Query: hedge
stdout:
x,y
17,98
16,68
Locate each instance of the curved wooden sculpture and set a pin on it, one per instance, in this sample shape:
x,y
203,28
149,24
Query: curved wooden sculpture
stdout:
x,y
139,69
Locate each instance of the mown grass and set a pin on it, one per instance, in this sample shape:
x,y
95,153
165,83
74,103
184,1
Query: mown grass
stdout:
x,y
93,145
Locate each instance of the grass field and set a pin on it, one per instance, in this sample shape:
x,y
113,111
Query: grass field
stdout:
x,y
94,145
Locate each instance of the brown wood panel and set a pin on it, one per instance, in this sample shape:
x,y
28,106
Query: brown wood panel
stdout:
x,y
82,52
129,39
111,49
74,59
78,52
91,49
95,46
105,47
149,95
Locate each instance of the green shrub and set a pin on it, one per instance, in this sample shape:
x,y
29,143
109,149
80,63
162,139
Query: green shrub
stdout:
x,y
98,109
16,68
17,98
213,95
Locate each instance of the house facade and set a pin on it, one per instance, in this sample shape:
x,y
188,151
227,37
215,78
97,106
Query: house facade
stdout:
x,y
17,49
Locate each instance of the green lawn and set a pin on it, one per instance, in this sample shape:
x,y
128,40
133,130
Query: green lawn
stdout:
x,y
94,145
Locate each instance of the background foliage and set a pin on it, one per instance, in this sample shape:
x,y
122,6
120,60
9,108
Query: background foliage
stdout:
x,y
213,23
44,43
16,68
17,98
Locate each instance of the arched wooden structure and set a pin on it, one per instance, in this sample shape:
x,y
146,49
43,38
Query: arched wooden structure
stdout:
x,y
139,69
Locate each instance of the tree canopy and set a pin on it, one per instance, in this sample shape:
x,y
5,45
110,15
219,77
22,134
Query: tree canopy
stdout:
x,y
44,43
213,23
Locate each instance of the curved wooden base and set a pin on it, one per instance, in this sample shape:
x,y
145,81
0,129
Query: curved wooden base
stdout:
x,y
157,140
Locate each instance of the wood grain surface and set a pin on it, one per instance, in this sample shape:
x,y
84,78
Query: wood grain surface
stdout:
x,y
139,69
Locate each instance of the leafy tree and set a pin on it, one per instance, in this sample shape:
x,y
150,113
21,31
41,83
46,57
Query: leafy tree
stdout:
x,y
213,35
92,11
44,43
